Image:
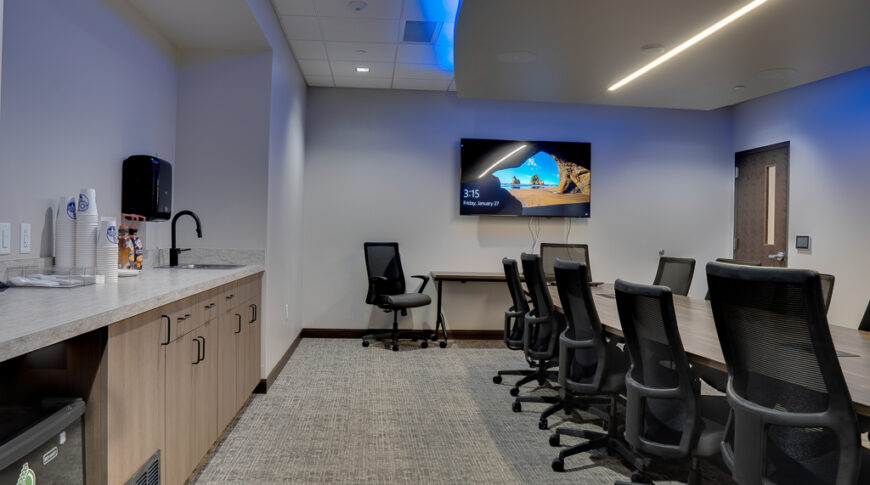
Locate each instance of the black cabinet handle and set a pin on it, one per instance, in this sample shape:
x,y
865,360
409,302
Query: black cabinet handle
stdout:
x,y
233,295
209,306
253,313
185,317
168,329
198,350
240,323
202,358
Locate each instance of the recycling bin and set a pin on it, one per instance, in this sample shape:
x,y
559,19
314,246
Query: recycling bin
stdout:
x,y
42,444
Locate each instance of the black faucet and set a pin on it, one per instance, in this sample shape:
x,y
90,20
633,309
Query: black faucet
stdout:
x,y
173,252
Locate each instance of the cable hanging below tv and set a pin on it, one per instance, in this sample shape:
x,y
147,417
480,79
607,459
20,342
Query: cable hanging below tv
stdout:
x,y
524,178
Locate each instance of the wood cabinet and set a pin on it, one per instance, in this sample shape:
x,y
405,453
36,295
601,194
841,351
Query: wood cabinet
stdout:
x,y
176,377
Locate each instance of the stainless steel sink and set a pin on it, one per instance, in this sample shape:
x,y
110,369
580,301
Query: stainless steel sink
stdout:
x,y
202,266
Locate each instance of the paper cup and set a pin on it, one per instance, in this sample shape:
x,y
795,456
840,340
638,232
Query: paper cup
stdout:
x,y
87,202
108,233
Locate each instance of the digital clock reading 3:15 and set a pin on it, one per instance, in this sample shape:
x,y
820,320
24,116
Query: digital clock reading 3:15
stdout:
x,y
470,194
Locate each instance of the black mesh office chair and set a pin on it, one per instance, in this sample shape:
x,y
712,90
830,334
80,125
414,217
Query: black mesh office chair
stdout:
x,y
865,321
591,367
542,328
676,274
514,317
827,289
387,292
743,262
665,417
793,420
550,252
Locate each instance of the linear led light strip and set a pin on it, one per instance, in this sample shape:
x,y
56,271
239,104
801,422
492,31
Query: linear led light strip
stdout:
x,y
501,160
689,43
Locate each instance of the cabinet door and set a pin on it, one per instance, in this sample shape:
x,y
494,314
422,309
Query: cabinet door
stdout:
x,y
229,331
253,356
134,392
178,451
205,381
241,369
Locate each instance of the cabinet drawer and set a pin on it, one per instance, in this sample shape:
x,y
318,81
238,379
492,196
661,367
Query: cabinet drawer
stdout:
x,y
207,305
183,316
229,298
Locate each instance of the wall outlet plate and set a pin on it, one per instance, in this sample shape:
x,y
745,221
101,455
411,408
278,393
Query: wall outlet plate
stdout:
x,y
5,238
24,234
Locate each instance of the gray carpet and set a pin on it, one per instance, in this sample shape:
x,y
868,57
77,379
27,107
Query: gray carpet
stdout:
x,y
341,413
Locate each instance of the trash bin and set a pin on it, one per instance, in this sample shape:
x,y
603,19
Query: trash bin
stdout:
x,y
42,443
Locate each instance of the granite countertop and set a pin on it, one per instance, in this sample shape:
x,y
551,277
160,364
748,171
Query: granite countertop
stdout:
x,y
33,318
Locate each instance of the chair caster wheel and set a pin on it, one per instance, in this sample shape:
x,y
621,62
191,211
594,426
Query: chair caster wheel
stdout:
x,y
554,439
496,380
515,391
443,345
395,348
365,343
424,344
558,465
517,407
543,424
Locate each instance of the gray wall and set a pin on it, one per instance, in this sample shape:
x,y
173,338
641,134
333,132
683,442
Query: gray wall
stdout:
x,y
82,90
828,125
384,165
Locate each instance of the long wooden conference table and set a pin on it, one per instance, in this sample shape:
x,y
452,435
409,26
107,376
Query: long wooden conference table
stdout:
x,y
698,332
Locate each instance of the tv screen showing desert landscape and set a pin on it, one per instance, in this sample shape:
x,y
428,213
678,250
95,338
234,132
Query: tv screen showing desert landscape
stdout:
x,y
524,178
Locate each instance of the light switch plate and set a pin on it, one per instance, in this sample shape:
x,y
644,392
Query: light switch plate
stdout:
x,y
5,238
25,238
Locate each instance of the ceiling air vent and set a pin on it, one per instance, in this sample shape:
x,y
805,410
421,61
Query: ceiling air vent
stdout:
x,y
419,31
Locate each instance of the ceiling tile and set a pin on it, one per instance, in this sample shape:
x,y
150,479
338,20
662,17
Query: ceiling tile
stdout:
x,y
417,54
359,30
363,82
440,11
294,7
309,49
348,69
448,30
375,9
347,51
422,71
301,28
423,84
320,81
315,68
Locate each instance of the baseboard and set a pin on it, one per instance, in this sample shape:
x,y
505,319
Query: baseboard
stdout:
x,y
266,383
359,333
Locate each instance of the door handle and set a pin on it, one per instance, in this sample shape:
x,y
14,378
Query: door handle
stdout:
x,y
198,350
168,329
239,315
778,256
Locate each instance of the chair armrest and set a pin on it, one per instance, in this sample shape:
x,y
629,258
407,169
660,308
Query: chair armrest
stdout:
x,y
570,343
375,279
423,284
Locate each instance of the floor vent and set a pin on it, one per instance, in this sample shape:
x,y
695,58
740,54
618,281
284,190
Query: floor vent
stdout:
x,y
147,474
419,31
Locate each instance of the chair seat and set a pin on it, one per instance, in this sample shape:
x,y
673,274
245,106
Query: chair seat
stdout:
x,y
714,414
406,300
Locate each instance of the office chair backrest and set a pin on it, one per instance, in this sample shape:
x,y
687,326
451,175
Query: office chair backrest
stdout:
x,y
743,262
520,305
550,252
676,274
827,289
588,364
865,321
382,259
542,304
662,397
793,420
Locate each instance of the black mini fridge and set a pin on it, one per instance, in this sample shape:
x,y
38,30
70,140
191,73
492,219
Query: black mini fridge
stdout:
x,y
42,444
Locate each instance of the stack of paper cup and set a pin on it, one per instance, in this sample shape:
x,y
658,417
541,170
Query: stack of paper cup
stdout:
x,y
107,249
65,232
87,224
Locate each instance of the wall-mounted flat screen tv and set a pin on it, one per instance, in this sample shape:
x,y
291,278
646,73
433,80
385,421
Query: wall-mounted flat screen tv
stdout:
x,y
524,178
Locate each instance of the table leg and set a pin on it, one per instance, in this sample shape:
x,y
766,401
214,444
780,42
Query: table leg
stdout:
x,y
440,318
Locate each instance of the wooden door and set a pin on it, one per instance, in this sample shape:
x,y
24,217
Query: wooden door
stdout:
x,y
229,330
761,205
134,392
179,428
205,381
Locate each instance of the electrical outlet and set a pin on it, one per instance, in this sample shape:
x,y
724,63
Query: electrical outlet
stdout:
x,y
25,238
286,312
5,238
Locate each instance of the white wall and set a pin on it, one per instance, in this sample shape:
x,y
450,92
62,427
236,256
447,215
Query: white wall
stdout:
x,y
82,90
828,125
222,152
283,279
384,165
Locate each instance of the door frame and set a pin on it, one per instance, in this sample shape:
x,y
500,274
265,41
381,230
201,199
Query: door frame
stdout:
x,y
775,146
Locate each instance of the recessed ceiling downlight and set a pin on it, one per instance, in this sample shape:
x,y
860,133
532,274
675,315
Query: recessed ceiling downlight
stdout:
x,y
689,43
357,5
517,57
362,69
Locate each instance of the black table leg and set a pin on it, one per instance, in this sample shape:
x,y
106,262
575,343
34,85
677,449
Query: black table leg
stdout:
x,y
440,319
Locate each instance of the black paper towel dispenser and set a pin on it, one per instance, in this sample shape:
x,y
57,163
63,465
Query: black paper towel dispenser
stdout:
x,y
146,189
